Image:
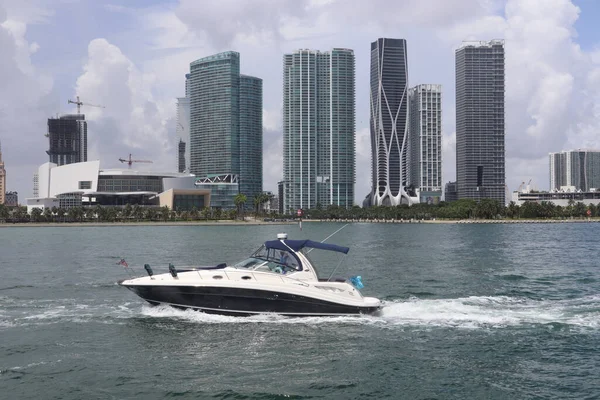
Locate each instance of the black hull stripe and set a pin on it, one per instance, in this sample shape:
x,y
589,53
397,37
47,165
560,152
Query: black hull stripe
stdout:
x,y
244,301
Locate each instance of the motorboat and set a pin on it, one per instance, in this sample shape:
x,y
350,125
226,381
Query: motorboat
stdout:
x,y
278,278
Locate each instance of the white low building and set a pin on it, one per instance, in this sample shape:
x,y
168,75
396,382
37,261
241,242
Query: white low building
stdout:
x,y
86,183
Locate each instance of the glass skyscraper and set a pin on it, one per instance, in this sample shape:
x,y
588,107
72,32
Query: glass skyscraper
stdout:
x,y
425,150
318,129
251,142
225,121
578,168
480,158
389,123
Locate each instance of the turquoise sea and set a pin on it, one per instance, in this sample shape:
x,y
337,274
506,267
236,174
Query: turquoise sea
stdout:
x,y
471,312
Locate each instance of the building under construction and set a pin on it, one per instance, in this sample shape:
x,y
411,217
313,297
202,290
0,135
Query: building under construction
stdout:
x,y
68,139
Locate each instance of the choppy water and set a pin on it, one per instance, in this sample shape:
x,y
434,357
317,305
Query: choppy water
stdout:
x,y
472,311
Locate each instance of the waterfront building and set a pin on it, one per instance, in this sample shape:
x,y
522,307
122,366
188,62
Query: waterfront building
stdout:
x,y
318,129
450,192
225,114
389,123
181,167
11,199
251,140
67,139
86,184
564,197
2,178
579,168
425,155
223,189
280,195
480,154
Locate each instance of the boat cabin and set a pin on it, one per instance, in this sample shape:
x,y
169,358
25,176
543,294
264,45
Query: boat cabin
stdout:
x,y
287,257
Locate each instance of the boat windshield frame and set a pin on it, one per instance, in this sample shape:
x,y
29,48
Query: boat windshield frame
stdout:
x,y
272,259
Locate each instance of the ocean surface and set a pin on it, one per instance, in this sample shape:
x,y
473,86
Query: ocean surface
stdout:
x,y
471,312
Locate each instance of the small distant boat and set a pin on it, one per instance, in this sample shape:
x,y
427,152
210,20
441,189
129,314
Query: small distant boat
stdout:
x,y
278,278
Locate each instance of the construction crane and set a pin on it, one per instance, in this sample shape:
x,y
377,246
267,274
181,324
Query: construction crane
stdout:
x,y
130,161
81,103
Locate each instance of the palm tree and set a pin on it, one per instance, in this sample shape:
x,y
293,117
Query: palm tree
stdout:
x,y
205,212
36,214
47,214
60,213
240,200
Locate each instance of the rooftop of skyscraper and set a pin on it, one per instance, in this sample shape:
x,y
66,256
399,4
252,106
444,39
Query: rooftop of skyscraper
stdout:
x,y
219,56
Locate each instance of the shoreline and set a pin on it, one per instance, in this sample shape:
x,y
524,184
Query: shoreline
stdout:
x,y
256,222
462,221
140,223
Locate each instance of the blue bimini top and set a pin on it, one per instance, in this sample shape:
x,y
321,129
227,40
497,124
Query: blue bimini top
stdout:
x,y
298,245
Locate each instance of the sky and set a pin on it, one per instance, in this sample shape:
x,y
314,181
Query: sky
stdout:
x,y
131,56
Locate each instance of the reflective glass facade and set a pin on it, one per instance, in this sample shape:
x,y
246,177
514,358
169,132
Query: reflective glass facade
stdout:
x,y
389,122
251,143
186,202
225,113
480,157
318,129
123,183
214,91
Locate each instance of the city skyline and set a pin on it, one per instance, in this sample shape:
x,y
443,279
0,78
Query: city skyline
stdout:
x,y
132,61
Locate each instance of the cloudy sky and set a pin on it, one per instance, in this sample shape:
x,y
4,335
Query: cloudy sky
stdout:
x,y
131,56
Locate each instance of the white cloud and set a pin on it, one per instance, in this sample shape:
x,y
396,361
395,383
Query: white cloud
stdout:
x,y
23,98
133,121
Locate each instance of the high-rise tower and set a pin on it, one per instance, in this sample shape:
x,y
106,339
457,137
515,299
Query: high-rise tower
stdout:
x,y
579,168
318,129
251,140
480,157
225,121
389,122
425,150
68,139
182,129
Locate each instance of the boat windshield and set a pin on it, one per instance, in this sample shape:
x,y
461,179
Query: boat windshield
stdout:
x,y
270,260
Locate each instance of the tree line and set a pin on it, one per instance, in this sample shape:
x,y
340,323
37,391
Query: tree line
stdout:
x,y
461,209
99,213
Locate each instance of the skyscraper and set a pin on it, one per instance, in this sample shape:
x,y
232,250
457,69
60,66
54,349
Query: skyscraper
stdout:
x,y
68,139
425,153
389,122
182,129
2,179
318,129
480,159
251,141
578,168
219,99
